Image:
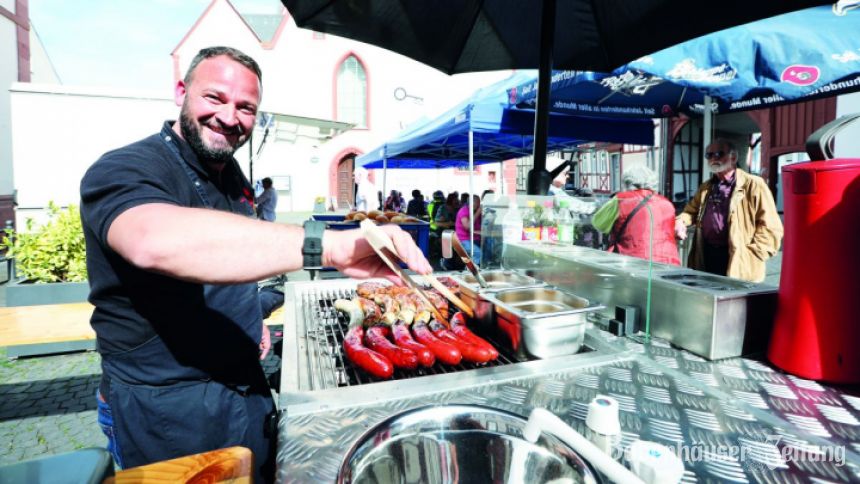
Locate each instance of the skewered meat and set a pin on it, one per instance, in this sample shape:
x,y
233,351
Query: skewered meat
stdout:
x,y
362,357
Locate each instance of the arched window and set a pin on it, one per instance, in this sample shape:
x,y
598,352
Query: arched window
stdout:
x,y
352,92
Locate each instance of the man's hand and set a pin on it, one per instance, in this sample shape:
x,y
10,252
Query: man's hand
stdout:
x,y
265,342
349,252
680,230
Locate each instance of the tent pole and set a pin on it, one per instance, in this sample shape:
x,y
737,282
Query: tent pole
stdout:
x,y
384,180
471,195
708,126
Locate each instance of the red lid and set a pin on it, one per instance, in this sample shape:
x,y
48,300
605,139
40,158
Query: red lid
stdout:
x,y
826,165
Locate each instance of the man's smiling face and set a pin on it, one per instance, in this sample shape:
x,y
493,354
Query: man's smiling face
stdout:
x,y
219,107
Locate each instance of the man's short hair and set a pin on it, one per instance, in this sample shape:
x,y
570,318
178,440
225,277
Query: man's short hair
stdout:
x,y
728,144
235,54
416,193
267,182
438,194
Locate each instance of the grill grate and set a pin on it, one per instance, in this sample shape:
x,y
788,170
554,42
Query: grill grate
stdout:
x,y
328,366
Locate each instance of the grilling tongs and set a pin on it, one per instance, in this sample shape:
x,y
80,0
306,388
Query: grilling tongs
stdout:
x,y
450,241
384,247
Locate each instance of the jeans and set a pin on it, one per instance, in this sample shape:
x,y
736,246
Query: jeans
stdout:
x,y
105,418
476,257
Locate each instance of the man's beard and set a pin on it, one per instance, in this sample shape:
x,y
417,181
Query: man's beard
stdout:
x,y
191,133
720,167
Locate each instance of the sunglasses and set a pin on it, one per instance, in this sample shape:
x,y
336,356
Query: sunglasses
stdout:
x,y
715,155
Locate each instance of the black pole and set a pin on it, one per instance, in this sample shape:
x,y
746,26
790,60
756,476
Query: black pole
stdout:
x,y
538,178
251,157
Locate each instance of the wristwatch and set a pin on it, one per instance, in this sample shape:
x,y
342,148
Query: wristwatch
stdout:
x,y
312,248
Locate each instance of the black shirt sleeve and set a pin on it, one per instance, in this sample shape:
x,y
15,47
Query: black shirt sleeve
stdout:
x,y
122,179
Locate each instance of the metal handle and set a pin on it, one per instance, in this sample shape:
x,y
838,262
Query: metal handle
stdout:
x,y
449,241
818,145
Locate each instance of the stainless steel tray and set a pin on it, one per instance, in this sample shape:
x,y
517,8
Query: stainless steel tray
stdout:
x,y
540,322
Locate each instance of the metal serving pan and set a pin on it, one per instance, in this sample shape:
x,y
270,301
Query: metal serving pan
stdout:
x,y
540,322
497,280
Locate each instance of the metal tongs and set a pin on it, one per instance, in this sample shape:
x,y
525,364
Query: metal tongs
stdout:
x,y
384,247
450,241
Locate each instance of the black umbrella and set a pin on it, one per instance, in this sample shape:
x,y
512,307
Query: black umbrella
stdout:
x,y
480,35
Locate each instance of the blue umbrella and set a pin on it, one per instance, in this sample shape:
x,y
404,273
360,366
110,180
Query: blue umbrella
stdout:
x,y
789,58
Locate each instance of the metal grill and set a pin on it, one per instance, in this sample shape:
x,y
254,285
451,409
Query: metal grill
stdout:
x,y
328,367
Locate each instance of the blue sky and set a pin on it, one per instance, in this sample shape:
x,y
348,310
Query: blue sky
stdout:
x,y
120,43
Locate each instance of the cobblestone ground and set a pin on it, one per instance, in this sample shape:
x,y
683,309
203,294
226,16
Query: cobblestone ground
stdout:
x,y
47,404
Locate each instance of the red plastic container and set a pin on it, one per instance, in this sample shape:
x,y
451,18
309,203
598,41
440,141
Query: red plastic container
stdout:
x,y
816,334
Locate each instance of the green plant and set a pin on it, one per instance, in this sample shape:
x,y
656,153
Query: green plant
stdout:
x,y
53,252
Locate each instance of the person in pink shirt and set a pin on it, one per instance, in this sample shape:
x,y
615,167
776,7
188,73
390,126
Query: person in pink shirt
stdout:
x,y
461,227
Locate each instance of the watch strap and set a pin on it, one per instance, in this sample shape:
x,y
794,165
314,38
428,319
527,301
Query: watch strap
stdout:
x,y
312,246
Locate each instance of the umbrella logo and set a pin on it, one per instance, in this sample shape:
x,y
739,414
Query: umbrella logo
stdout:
x,y
800,75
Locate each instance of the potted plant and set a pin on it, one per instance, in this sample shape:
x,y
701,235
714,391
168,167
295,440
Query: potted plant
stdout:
x,y
50,260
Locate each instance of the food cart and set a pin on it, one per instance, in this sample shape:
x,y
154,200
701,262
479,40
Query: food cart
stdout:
x,y
699,385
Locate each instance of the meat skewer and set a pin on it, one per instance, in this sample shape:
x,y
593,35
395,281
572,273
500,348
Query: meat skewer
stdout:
x,y
362,357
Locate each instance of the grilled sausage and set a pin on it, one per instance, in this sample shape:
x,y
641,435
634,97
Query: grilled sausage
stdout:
x,y
470,352
459,328
364,358
401,357
446,353
403,338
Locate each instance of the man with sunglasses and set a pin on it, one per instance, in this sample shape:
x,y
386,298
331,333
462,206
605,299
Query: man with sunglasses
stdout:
x,y
737,225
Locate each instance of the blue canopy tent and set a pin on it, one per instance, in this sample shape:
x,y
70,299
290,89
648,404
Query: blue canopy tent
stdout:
x,y
486,129
789,58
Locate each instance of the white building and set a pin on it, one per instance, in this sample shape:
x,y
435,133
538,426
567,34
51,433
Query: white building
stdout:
x,y
314,82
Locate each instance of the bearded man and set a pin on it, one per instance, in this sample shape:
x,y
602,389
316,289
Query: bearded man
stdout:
x,y
737,225
174,254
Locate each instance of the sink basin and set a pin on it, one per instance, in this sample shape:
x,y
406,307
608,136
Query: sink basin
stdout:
x,y
460,443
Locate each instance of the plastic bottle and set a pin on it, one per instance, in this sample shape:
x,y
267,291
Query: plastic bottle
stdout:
x,y
531,222
512,231
548,227
565,223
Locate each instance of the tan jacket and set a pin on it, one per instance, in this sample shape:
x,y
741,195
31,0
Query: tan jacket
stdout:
x,y
755,230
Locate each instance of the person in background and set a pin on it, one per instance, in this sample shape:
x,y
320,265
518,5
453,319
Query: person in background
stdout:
x,y
174,253
470,242
464,199
487,193
640,222
267,202
557,188
416,206
365,191
737,225
394,202
447,213
433,207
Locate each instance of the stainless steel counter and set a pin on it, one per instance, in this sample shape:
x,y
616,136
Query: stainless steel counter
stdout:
x,y
734,420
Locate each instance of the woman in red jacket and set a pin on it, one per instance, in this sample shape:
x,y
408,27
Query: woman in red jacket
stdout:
x,y
626,219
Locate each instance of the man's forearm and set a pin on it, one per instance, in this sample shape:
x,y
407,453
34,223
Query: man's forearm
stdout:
x,y
203,245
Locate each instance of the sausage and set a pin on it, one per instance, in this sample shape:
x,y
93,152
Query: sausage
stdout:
x,y
364,358
446,353
459,328
404,340
401,357
470,352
